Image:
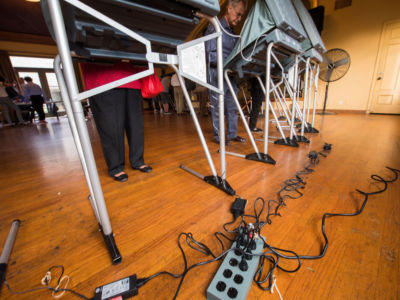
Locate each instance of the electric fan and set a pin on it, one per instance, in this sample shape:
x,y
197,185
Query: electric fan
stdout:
x,y
335,64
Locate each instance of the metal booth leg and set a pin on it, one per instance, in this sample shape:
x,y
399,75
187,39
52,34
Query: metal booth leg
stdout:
x,y
214,179
72,124
291,141
312,128
257,156
301,138
79,120
219,182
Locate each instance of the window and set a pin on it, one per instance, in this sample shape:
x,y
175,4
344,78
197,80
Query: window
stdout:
x,y
31,62
42,72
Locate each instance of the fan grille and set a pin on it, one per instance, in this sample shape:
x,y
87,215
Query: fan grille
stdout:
x,y
335,65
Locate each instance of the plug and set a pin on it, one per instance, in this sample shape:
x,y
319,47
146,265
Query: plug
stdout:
x,y
238,207
120,289
313,155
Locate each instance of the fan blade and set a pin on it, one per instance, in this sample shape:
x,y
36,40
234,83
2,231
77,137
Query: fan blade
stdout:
x,y
341,62
327,61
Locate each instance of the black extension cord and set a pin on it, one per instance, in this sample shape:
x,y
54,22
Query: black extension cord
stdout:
x,y
272,254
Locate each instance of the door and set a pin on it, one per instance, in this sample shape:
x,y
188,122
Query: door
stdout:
x,y
386,91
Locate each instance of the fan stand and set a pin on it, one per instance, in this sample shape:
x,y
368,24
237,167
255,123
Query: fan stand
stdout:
x,y
324,112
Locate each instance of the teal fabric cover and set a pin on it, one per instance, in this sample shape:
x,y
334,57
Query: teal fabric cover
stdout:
x,y
306,45
258,22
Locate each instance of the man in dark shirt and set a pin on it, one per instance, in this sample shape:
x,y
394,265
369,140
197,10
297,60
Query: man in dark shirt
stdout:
x,y
234,12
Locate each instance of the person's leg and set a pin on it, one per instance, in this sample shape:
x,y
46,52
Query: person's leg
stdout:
x,y
178,95
4,103
182,100
17,111
134,127
109,114
37,103
231,117
214,104
231,113
164,101
203,102
257,97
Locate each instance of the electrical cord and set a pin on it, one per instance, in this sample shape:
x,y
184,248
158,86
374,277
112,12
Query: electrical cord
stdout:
x,y
375,177
248,58
247,231
46,281
259,280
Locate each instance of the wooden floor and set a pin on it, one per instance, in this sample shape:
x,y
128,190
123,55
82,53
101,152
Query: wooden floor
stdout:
x,y
42,183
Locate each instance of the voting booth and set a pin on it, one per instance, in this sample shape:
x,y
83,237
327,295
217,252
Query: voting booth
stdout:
x,y
150,32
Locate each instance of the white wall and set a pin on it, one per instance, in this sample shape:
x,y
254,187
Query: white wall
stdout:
x,y
357,29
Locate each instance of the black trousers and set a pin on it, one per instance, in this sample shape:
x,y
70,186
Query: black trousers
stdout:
x,y
230,109
116,112
257,97
37,103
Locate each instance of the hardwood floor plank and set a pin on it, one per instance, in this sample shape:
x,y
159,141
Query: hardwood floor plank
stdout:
x,y
42,183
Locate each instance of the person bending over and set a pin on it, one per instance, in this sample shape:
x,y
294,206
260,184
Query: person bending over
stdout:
x,y
234,13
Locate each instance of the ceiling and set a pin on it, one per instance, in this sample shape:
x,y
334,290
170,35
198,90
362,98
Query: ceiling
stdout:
x,y
20,16
23,21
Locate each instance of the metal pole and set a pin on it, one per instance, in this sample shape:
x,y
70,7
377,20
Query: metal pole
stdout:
x,y
276,95
269,106
326,97
294,99
5,254
68,70
196,122
305,96
311,80
220,72
266,93
246,126
72,124
315,96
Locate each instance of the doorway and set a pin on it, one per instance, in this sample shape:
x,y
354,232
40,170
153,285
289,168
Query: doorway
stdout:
x,y
385,93
42,73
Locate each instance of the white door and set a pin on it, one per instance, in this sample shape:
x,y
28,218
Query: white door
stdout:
x,y
386,90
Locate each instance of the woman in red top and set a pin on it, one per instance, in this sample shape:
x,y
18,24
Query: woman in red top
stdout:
x,y
117,111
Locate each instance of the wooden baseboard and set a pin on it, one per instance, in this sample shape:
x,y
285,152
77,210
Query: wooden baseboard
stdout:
x,y
350,111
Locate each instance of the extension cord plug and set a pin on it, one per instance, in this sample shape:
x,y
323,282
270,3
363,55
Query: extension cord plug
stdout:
x,y
238,207
235,275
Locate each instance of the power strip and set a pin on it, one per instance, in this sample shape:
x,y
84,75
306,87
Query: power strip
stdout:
x,y
235,275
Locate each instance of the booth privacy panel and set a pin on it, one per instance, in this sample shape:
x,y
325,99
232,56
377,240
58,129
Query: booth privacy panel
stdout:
x,y
165,23
314,38
259,21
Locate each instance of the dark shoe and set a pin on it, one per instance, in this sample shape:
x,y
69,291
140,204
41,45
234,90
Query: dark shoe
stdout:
x,y
121,178
256,129
226,142
145,169
239,139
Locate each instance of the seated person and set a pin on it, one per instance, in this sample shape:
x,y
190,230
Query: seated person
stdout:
x,y
8,105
